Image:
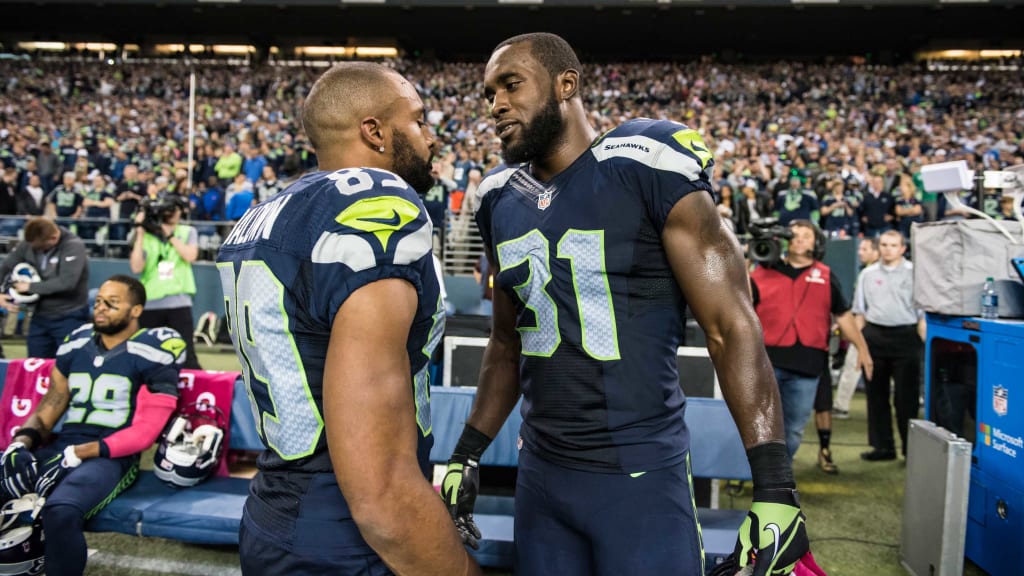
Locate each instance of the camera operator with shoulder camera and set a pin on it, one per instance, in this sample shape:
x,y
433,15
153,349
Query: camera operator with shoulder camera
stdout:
x,y
163,251
50,271
796,298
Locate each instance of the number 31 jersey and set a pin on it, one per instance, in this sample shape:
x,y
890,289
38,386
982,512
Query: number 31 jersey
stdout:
x,y
286,269
599,313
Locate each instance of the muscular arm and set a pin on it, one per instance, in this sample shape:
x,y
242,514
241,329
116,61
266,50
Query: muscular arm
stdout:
x,y
707,264
371,426
498,387
50,408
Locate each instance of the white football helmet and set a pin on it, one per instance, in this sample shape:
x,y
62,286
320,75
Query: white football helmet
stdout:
x,y
22,272
191,445
22,542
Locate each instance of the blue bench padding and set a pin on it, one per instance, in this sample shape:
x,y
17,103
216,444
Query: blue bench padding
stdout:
x,y
206,514
449,408
243,426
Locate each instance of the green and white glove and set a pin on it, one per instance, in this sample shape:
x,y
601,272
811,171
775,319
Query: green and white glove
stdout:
x,y
773,537
462,483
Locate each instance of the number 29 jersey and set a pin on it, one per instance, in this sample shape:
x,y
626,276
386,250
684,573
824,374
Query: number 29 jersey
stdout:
x,y
104,384
286,269
599,313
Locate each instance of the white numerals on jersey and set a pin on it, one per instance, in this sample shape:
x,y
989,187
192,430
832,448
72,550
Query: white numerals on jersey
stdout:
x,y
289,422
585,251
109,395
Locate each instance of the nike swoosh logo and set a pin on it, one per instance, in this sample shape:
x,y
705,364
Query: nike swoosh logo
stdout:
x,y
451,484
393,221
70,258
774,529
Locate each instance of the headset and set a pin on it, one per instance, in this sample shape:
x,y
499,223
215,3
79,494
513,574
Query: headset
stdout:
x,y
818,252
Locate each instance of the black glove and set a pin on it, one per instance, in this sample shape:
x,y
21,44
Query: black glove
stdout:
x,y
462,483
20,470
773,537
55,469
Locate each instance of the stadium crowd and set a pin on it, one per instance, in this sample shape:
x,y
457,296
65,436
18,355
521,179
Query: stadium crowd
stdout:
x,y
840,144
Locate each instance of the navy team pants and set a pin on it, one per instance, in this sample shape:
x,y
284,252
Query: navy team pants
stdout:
x,y
575,523
322,540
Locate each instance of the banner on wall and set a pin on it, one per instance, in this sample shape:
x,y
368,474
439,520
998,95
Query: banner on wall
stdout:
x,y
27,380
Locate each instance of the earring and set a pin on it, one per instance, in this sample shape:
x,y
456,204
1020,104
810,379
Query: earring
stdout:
x,y
381,149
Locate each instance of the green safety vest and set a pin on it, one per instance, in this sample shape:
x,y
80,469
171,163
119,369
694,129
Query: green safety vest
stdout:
x,y
181,280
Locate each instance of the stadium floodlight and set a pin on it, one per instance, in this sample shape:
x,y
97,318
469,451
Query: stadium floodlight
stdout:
x,y
815,1
949,178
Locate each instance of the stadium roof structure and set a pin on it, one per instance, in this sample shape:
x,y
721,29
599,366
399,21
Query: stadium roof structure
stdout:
x,y
886,30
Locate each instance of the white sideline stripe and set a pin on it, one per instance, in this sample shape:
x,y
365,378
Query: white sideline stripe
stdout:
x,y
161,565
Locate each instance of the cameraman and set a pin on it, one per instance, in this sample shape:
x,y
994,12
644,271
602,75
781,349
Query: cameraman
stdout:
x,y
162,254
795,299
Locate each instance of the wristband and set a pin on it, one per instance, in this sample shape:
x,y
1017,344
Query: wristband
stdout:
x,y
471,444
32,434
770,466
72,459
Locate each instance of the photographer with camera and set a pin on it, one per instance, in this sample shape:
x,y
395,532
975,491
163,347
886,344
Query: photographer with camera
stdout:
x,y
796,298
163,251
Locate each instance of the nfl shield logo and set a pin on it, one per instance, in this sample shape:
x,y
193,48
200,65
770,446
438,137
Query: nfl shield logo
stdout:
x,y
1000,400
544,200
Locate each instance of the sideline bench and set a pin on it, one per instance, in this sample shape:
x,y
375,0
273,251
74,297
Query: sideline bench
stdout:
x,y
210,512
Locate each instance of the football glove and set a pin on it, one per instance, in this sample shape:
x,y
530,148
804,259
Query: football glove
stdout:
x,y
20,470
773,537
459,490
55,469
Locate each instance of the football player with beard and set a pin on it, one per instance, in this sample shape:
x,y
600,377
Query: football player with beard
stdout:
x,y
598,244
115,385
334,306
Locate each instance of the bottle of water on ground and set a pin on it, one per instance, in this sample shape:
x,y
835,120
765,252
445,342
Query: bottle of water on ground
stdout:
x,y
989,299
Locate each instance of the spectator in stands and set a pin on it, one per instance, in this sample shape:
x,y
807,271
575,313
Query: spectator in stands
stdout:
x,y
436,199
364,506
32,200
796,301
753,205
60,259
796,203
1006,209
839,209
228,165
894,330
562,198
850,374
105,427
254,163
9,192
214,206
66,199
877,208
908,208
268,186
162,255
240,201
96,201
49,166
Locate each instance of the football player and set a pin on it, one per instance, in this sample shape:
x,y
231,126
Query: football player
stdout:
x,y
334,309
115,385
598,244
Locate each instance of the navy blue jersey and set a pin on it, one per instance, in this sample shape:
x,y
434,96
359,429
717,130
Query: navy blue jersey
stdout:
x,y
104,384
599,313
286,268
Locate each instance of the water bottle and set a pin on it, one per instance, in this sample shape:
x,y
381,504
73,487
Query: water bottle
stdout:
x,y
989,299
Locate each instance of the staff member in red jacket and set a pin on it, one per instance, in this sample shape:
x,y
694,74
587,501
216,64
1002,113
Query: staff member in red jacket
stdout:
x,y
796,300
